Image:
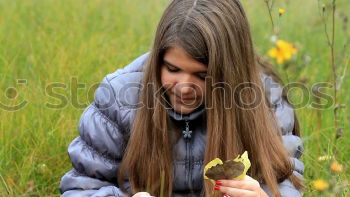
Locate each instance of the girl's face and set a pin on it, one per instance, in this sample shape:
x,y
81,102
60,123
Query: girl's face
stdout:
x,y
183,79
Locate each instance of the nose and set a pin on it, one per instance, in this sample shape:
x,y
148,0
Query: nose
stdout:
x,y
185,86
186,90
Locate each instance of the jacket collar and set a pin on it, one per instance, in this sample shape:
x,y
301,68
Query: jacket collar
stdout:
x,y
186,117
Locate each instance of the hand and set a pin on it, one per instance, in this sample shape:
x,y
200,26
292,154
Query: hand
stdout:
x,y
248,187
141,194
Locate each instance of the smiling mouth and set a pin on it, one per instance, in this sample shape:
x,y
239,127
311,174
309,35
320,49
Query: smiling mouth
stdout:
x,y
184,100
189,98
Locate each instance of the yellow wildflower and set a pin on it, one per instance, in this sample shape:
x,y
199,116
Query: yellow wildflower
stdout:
x,y
324,157
281,11
320,185
43,168
282,52
336,167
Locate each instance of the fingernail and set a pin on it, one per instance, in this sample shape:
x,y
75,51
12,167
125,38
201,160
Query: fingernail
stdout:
x,y
218,183
217,187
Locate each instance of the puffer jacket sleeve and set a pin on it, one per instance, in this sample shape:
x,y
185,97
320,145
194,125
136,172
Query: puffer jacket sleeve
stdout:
x,y
104,129
294,145
97,152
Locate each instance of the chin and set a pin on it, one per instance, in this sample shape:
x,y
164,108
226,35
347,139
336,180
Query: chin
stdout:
x,y
183,110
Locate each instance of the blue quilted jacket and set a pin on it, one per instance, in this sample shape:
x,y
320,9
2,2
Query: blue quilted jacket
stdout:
x,y
97,152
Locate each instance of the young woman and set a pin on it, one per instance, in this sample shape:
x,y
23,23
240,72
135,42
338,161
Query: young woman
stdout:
x,y
200,93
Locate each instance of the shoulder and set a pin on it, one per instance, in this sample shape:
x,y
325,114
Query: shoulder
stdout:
x,y
273,89
126,82
117,95
281,106
108,118
135,67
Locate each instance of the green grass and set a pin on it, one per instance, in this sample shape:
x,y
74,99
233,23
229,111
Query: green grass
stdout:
x,y
48,41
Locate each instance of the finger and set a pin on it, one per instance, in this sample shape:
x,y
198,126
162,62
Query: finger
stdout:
x,y
235,192
143,194
246,177
244,184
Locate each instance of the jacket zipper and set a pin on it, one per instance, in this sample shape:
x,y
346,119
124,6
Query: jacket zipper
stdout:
x,y
187,133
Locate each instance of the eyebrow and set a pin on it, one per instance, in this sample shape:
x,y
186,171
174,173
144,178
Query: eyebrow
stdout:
x,y
168,63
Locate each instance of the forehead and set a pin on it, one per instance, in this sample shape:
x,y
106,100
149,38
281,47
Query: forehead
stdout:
x,y
179,58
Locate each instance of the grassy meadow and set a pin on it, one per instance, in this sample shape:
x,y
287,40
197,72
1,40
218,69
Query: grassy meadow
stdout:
x,y
72,44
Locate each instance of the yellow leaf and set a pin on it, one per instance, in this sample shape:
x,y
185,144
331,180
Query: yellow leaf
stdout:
x,y
243,159
214,162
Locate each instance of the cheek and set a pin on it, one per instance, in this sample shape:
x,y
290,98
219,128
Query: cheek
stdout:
x,y
201,86
167,79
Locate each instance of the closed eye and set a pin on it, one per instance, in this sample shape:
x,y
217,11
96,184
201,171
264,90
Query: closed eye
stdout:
x,y
202,77
172,68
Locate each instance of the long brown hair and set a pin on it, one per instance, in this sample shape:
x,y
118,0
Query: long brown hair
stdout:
x,y
215,33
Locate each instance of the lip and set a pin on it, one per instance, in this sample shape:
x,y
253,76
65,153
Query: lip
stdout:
x,y
185,99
